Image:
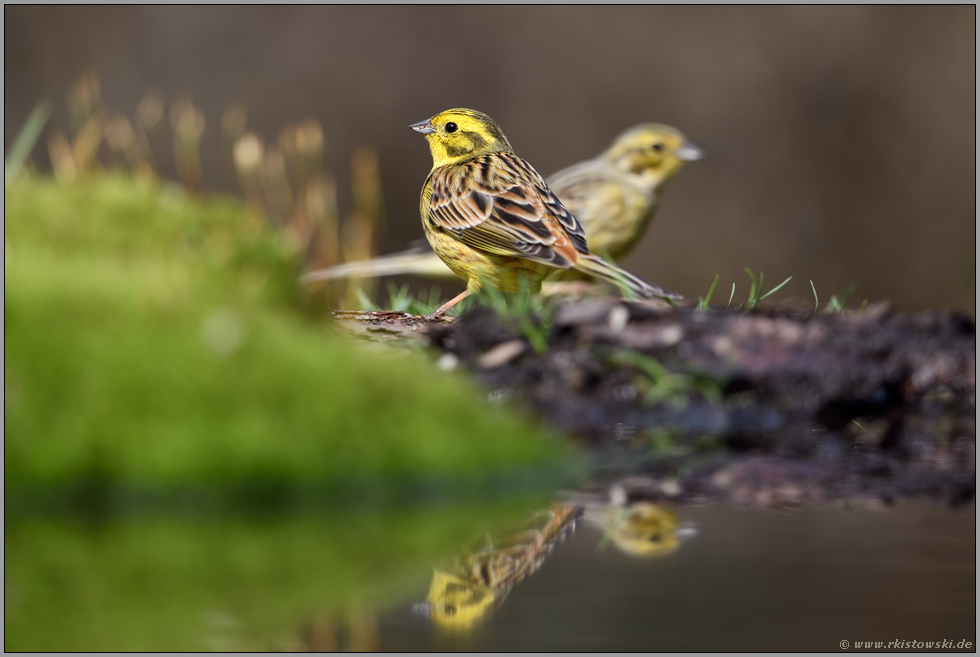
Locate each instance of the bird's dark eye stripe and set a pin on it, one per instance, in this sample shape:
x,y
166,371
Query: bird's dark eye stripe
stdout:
x,y
451,127
658,146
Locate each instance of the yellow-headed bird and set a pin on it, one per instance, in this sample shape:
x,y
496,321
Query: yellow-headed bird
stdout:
x,y
493,219
614,197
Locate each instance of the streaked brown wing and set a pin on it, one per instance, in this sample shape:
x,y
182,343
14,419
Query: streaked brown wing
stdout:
x,y
498,203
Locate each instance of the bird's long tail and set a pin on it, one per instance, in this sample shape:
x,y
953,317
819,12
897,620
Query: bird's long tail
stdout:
x,y
596,266
422,261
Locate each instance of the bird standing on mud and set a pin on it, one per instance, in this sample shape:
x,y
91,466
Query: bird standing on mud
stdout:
x,y
614,196
491,217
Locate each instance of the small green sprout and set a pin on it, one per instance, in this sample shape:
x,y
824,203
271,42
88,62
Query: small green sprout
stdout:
x,y
704,301
755,292
663,385
365,301
530,311
838,303
756,295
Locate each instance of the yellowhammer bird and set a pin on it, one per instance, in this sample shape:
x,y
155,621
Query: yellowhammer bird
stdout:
x,y
492,218
614,197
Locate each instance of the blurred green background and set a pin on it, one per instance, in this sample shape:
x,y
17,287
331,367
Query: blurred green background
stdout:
x,y
840,140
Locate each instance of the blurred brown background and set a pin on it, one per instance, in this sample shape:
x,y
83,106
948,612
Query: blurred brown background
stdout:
x,y
840,140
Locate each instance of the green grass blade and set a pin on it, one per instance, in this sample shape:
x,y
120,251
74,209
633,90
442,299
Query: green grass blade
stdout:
x,y
365,301
816,299
775,289
398,297
751,289
837,303
25,141
432,300
731,296
703,303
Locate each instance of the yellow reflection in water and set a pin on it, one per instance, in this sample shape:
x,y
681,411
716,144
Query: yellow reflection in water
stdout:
x,y
465,592
457,602
641,529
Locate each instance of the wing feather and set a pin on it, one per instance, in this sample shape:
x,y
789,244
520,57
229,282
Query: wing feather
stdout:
x,y
500,204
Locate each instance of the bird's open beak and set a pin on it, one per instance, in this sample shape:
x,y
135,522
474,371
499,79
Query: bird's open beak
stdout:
x,y
688,152
423,127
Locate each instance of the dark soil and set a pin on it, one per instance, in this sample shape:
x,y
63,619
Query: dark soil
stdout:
x,y
769,407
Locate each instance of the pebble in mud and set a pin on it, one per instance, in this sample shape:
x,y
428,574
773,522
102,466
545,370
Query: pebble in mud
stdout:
x,y
502,354
625,392
447,362
618,318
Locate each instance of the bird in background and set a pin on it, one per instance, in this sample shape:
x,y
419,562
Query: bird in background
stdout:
x,y
493,220
614,197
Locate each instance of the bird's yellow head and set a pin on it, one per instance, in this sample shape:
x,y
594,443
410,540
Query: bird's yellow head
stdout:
x,y
653,151
458,135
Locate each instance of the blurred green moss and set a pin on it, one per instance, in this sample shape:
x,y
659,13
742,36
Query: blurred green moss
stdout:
x,y
156,341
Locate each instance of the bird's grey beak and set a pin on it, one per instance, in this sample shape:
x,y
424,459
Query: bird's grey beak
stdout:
x,y
688,152
423,127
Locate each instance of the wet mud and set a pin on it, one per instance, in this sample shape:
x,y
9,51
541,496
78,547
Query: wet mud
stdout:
x,y
771,407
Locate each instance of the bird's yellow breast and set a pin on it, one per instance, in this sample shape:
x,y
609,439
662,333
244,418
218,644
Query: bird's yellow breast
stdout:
x,y
506,273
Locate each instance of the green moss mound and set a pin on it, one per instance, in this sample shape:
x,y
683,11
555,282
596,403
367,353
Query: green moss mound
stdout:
x,y
156,342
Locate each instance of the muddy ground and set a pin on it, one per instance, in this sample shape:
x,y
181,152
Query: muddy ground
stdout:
x,y
772,407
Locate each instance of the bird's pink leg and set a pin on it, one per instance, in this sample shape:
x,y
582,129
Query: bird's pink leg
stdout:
x,y
441,310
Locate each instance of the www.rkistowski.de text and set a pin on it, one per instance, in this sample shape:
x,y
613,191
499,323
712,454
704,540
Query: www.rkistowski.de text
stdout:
x,y
944,644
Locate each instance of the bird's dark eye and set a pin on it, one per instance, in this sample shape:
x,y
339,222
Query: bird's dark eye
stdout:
x,y
450,609
658,147
451,127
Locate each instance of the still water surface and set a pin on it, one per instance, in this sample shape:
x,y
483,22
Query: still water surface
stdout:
x,y
748,580
738,580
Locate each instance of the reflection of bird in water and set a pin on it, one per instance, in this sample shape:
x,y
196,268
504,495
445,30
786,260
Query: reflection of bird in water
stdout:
x,y
467,590
458,602
614,196
641,529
